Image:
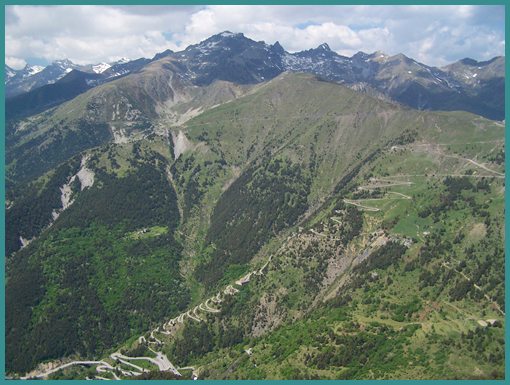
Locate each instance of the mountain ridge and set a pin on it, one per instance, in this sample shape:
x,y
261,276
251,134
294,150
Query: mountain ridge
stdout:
x,y
236,58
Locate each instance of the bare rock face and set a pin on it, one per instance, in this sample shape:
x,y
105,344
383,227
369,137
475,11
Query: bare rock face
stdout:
x,y
181,143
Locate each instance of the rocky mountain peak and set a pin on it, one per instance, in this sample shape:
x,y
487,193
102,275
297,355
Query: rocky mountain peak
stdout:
x,y
277,48
324,47
469,62
360,55
64,63
163,54
229,34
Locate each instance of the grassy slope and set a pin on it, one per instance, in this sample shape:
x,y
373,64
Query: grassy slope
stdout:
x,y
330,132
442,312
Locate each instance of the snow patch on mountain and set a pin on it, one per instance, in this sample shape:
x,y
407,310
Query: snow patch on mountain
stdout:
x,y
100,68
66,71
32,70
228,34
9,73
64,63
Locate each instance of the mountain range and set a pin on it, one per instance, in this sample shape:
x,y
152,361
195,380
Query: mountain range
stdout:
x,y
32,77
466,85
235,211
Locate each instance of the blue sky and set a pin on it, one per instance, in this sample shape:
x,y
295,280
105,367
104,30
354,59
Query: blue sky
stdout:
x,y
435,35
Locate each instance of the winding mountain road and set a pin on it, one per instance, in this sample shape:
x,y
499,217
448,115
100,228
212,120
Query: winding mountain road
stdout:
x,y
69,364
366,208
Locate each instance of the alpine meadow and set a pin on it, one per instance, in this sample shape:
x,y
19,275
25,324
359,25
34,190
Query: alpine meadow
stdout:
x,y
233,209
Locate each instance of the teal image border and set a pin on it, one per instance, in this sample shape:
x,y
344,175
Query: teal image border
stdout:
x,y
506,3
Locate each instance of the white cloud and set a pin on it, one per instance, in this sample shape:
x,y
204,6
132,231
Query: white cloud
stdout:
x,y
15,62
88,34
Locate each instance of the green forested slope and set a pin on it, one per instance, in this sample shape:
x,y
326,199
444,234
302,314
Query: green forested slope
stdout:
x,y
94,277
384,226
